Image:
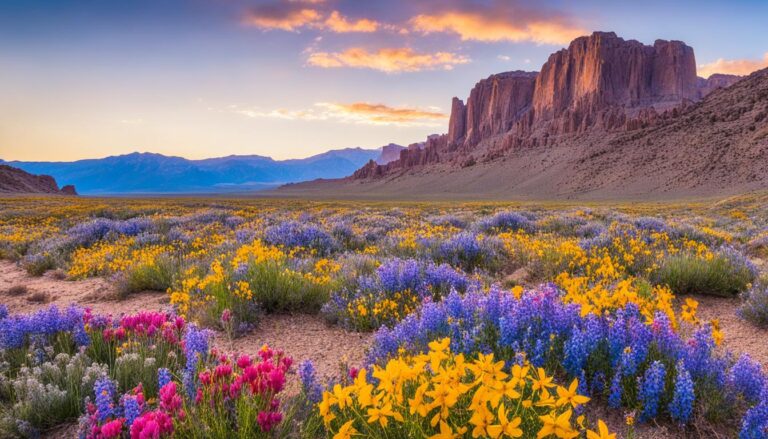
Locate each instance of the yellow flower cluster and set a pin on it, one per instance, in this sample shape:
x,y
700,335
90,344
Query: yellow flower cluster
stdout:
x,y
441,395
605,277
369,311
256,253
112,257
408,238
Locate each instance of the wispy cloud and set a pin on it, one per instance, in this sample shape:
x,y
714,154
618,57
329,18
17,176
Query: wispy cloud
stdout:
x,y
340,24
290,16
501,21
356,112
390,60
732,66
296,15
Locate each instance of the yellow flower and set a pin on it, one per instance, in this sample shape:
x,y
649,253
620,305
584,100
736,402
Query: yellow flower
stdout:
x,y
383,414
717,334
542,381
560,426
505,426
342,396
446,432
570,395
602,432
346,431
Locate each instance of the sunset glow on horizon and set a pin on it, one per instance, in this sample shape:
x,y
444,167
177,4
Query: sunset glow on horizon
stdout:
x,y
293,78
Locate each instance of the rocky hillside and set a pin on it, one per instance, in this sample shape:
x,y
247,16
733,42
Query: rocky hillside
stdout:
x,y
14,180
604,117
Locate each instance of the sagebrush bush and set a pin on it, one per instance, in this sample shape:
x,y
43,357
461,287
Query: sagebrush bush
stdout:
x,y
755,306
718,276
17,290
157,276
37,265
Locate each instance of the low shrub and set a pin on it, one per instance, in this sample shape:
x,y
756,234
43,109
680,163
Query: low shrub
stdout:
x,y
754,308
39,297
38,264
17,290
157,275
723,274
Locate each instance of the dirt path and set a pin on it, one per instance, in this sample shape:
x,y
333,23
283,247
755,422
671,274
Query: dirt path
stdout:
x,y
96,293
740,336
304,337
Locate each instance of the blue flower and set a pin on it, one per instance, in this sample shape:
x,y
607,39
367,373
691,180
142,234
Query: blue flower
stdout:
x,y
309,384
681,406
163,377
746,377
131,409
651,389
104,390
196,347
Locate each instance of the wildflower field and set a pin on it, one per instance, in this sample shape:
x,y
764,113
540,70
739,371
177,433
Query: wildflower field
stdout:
x,y
488,320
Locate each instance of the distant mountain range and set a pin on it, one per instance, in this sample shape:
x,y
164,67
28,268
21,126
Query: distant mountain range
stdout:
x,y
148,173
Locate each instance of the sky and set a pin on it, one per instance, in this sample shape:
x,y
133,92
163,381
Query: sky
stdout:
x,y
293,78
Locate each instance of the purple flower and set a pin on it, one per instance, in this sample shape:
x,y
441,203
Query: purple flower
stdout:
x,y
195,347
309,383
746,378
651,389
681,406
163,377
104,390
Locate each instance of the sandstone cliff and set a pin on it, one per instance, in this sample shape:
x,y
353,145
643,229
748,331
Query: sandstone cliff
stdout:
x,y
600,83
14,180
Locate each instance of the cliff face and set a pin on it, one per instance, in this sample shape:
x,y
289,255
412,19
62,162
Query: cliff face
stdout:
x,y
599,84
579,86
493,107
14,180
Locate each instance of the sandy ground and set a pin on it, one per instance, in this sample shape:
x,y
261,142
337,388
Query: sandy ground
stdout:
x,y
308,337
95,293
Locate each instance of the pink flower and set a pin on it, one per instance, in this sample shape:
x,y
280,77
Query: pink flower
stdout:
x,y
243,361
267,420
170,401
226,316
276,380
223,370
353,371
112,429
152,425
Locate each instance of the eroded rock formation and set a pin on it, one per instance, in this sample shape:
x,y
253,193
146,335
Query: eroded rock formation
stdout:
x,y
600,83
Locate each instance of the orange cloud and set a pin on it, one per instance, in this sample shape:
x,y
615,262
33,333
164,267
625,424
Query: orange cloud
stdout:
x,y
382,114
295,15
502,22
732,66
340,24
356,112
281,16
390,60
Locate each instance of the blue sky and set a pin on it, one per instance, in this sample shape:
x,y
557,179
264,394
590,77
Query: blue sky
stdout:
x,y
289,78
